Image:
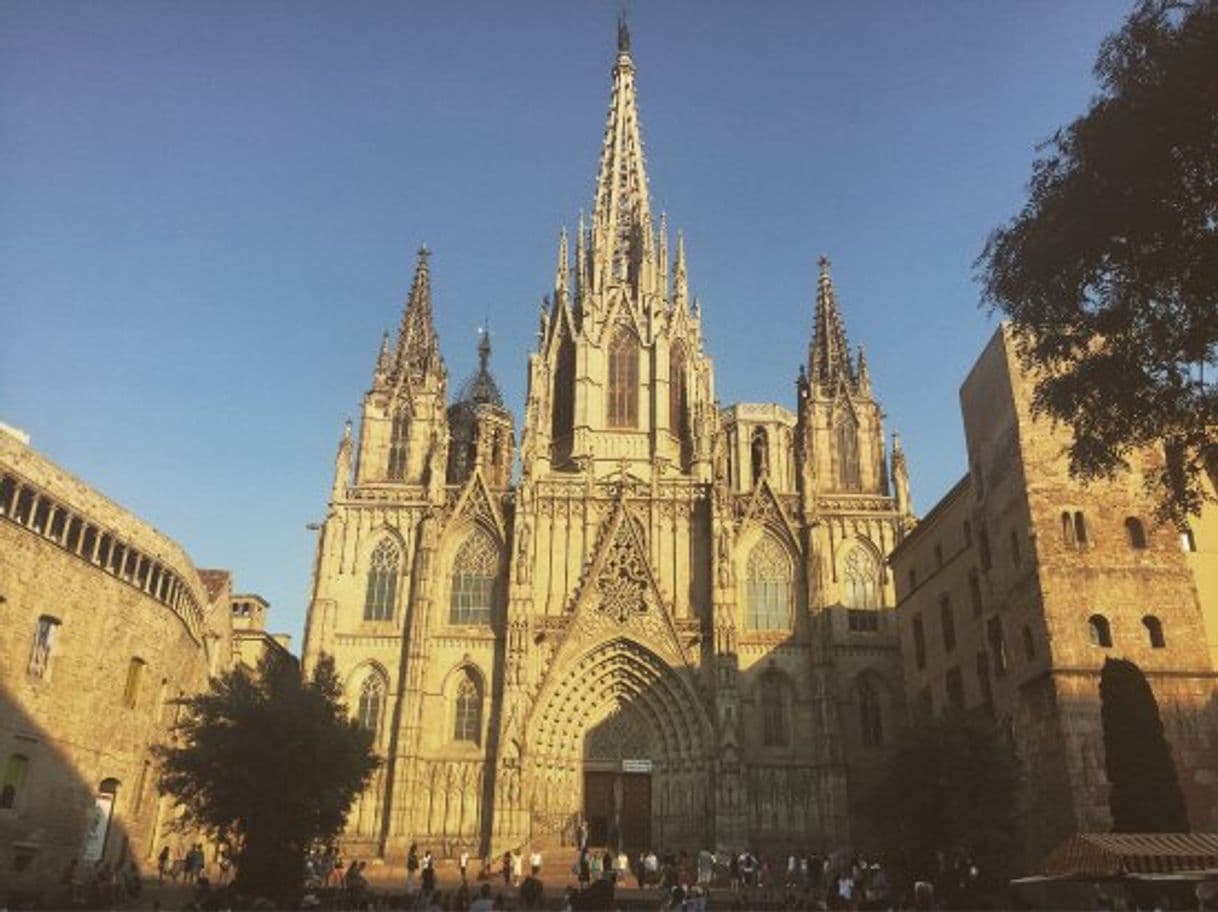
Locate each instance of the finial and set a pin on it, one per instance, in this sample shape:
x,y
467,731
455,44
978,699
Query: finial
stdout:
x,y
823,263
623,34
424,252
484,348
347,431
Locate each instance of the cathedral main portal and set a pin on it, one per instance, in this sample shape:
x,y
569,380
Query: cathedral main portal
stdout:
x,y
620,741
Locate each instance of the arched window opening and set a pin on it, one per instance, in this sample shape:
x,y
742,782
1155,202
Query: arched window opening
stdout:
x,y
678,400
473,581
1188,542
1099,631
467,724
399,441
1136,532
847,449
1080,528
1067,529
974,593
947,622
871,717
861,579
623,380
1016,554
1154,631
135,678
44,643
775,730
769,576
562,410
382,588
14,778
759,451
371,702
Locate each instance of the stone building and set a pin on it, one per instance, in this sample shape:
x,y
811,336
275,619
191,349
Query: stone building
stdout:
x,y
675,625
251,641
104,622
1021,581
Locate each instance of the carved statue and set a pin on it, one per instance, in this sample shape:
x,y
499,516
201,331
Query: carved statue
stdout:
x,y
522,553
725,557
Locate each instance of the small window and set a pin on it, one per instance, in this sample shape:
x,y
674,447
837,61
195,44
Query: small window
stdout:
x,y
1136,533
135,676
58,522
968,533
1080,528
371,700
983,680
14,778
1016,554
998,645
983,548
8,489
1029,644
955,688
1099,630
44,642
759,452
919,636
1068,529
974,593
1188,542
1154,631
938,556
913,579
468,711
948,622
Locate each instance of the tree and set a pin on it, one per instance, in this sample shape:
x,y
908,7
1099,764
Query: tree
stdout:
x,y
1144,794
1109,274
948,792
271,764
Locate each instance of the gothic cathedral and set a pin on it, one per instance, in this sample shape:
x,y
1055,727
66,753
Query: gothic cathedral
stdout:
x,y
674,628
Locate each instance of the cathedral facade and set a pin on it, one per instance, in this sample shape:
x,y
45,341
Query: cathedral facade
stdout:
x,y
672,627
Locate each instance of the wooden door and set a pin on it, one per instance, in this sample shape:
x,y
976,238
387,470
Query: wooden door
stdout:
x,y
636,812
598,805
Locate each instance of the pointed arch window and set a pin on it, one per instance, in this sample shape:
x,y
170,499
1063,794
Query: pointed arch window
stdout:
x,y
473,581
623,405
678,399
769,576
467,718
1100,631
860,579
759,452
371,703
775,722
399,445
871,716
1154,631
847,449
382,582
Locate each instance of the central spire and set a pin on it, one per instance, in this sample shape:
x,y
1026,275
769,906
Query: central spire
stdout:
x,y
829,360
621,223
418,350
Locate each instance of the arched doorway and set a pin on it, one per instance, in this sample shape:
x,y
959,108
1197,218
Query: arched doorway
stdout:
x,y
619,739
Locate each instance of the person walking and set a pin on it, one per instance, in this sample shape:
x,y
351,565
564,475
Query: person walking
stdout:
x,y
517,868
507,868
162,864
463,863
429,874
412,866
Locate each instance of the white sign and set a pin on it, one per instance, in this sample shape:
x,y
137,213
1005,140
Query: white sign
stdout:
x,y
96,828
636,766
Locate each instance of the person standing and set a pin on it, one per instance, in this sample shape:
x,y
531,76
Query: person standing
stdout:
x,y
162,863
464,865
532,891
535,862
517,868
412,866
507,868
429,874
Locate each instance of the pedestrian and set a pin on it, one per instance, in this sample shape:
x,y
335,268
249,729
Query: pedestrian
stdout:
x,y
706,866
429,874
507,868
463,864
162,863
412,866
585,868
535,861
640,871
517,868
532,891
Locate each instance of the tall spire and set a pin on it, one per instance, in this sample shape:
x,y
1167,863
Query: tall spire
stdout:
x,y
563,269
829,358
622,224
418,348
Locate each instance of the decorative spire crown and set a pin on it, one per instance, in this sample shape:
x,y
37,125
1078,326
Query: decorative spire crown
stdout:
x,y
829,359
481,388
418,350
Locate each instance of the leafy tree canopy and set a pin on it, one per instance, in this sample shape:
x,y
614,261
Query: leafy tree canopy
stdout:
x,y
1109,274
947,794
1144,794
270,763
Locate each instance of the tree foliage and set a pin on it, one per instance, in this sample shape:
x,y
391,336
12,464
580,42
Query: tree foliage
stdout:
x,y
948,792
271,764
1109,274
1144,794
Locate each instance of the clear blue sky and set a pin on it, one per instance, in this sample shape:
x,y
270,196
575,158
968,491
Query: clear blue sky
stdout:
x,y
209,212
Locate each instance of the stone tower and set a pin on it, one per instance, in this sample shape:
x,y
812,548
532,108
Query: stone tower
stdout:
x,y
673,627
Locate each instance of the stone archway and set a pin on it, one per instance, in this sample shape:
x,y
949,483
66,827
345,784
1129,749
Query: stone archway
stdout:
x,y
620,709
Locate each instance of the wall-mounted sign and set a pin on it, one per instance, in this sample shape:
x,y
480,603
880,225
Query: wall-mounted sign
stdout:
x,y
636,766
